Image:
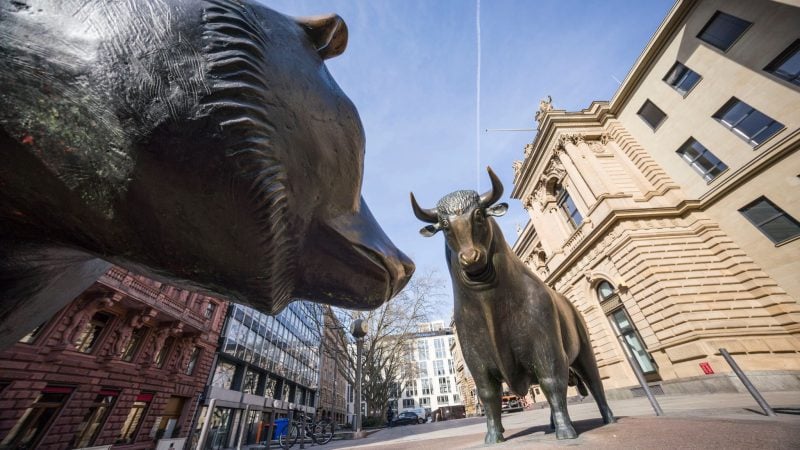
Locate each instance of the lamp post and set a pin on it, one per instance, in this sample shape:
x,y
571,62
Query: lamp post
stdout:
x,y
358,330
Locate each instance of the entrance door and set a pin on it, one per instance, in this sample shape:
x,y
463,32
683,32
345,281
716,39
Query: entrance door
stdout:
x,y
624,327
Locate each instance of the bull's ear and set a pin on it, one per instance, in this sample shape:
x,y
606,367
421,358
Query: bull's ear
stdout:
x,y
497,210
429,230
328,33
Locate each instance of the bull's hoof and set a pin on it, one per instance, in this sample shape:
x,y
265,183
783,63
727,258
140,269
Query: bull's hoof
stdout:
x,y
609,419
493,438
566,432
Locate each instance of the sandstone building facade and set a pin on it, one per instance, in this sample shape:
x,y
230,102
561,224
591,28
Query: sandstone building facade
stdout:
x,y
669,215
122,366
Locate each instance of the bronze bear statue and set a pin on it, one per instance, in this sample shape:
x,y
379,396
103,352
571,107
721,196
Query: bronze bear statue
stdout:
x,y
200,143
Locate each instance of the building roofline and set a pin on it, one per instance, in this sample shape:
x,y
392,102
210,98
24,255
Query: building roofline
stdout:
x,y
599,111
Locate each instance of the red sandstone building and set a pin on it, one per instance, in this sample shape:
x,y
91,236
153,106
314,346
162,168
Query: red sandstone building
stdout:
x,y
122,367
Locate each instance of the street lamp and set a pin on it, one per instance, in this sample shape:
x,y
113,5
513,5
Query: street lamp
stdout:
x,y
358,329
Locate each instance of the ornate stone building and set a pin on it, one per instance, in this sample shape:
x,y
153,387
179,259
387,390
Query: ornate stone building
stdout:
x,y
332,385
122,366
668,215
464,380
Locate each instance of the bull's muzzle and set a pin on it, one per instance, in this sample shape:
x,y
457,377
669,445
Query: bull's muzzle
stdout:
x,y
472,260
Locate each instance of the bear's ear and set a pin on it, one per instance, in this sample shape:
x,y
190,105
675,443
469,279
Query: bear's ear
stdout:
x,y
327,33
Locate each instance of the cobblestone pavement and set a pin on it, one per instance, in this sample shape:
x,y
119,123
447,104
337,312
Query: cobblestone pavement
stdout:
x,y
724,421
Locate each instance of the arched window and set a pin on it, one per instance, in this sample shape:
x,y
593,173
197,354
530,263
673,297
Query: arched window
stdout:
x,y
605,291
625,328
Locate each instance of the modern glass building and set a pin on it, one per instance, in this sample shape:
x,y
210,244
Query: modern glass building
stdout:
x,y
266,365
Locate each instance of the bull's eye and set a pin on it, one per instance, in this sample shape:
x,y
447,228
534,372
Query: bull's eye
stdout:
x,y
445,224
478,215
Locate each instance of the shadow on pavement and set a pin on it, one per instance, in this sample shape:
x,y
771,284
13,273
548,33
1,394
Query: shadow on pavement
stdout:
x,y
581,426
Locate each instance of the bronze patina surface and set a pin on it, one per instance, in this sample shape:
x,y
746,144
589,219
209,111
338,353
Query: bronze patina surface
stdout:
x,y
200,143
511,326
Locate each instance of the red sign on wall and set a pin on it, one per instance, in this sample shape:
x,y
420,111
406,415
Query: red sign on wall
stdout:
x,y
706,368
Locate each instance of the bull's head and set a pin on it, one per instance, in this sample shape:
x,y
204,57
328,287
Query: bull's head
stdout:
x,y
465,218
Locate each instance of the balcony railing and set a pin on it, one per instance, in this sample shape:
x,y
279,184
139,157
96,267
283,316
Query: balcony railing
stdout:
x,y
123,281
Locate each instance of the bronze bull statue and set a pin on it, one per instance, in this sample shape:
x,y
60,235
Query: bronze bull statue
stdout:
x,y
200,143
512,327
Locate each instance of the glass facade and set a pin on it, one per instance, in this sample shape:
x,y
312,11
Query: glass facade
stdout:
x,y
275,349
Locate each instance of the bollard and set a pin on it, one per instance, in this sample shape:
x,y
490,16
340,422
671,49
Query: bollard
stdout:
x,y
747,384
640,376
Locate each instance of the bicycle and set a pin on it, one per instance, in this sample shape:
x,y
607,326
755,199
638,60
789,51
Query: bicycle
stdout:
x,y
320,432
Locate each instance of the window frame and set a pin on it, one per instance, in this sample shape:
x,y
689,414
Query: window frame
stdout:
x,y
683,77
732,103
34,412
561,199
782,58
709,156
663,119
780,213
87,436
734,41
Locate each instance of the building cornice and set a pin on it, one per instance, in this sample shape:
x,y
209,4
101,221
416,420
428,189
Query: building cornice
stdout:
x,y
599,112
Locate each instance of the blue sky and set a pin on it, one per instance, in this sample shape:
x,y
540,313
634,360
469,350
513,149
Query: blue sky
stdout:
x,y
411,69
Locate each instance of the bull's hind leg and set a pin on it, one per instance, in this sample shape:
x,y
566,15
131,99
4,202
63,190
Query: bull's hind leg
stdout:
x,y
489,390
586,368
553,375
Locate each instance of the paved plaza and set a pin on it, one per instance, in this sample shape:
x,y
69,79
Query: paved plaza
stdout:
x,y
729,421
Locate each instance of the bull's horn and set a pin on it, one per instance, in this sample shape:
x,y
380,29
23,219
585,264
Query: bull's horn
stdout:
x,y
425,215
494,194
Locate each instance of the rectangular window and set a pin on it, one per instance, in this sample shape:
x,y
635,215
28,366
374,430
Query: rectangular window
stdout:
x,y
135,418
456,398
423,368
747,122
408,403
137,337
210,308
450,366
787,64
94,419
438,345
438,367
444,385
424,401
411,388
723,30
250,383
90,334
193,361
443,399
161,358
37,419
223,375
682,78
427,386
564,201
651,114
422,350
701,160
771,220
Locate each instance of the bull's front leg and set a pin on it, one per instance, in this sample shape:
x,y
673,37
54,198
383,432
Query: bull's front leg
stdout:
x,y
489,390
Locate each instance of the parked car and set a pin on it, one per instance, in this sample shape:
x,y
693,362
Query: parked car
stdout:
x,y
405,418
510,402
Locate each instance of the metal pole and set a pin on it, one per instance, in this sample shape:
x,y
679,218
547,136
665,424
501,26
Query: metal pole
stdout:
x,y
359,346
747,384
640,376
201,442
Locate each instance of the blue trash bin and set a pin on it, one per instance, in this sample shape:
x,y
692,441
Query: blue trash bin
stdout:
x,y
281,428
